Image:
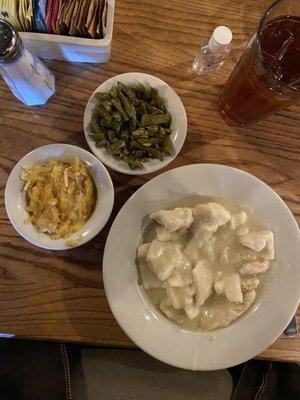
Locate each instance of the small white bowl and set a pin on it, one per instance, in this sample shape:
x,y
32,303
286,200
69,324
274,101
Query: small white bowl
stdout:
x,y
174,106
15,200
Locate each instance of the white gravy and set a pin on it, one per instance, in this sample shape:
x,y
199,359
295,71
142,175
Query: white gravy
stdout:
x,y
225,237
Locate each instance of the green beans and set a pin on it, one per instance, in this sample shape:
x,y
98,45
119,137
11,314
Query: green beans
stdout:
x,y
124,135
107,105
140,132
118,106
126,103
168,146
111,136
133,163
155,119
157,101
102,96
132,123
104,114
153,129
115,147
149,108
128,91
117,116
139,90
94,127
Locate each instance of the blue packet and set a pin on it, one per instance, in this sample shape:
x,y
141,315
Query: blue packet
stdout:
x,y
39,7
42,5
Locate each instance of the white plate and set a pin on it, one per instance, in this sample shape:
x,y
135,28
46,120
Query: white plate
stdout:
x,y
174,106
250,334
15,197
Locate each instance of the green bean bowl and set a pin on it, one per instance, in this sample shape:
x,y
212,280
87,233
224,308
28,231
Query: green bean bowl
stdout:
x,y
135,123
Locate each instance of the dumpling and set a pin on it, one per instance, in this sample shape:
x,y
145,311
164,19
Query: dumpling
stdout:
x,y
258,241
203,281
162,257
173,220
208,250
255,267
248,284
182,274
177,316
269,251
222,312
200,237
242,231
143,250
178,296
212,215
149,279
207,219
224,257
230,285
183,298
238,219
164,235
192,310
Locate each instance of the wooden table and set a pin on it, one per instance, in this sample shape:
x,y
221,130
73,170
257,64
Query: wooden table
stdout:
x,y
59,296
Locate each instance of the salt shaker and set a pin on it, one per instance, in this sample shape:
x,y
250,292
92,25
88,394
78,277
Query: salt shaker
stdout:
x,y
213,53
27,77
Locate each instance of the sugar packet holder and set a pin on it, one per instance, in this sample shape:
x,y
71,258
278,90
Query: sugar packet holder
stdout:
x,y
73,49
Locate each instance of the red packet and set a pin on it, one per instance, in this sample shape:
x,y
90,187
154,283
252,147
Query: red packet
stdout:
x,y
54,15
48,15
51,15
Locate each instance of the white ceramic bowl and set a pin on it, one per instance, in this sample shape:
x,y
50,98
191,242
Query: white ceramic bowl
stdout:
x,y
174,106
256,329
15,196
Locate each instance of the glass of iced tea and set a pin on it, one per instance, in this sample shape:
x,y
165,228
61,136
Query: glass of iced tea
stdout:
x,y
267,76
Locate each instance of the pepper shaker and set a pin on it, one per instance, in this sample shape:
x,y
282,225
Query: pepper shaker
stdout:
x,y
26,76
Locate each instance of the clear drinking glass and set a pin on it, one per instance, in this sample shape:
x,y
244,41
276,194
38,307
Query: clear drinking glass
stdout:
x,y
267,76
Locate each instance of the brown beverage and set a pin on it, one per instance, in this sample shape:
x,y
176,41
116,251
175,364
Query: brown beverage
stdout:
x,y
267,77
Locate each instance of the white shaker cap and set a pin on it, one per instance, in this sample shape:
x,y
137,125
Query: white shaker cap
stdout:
x,y
220,39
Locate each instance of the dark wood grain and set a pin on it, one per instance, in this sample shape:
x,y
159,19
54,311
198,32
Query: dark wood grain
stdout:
x,y
59,295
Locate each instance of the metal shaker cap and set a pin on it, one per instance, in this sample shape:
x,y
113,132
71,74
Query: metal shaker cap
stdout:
x,y
10,43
